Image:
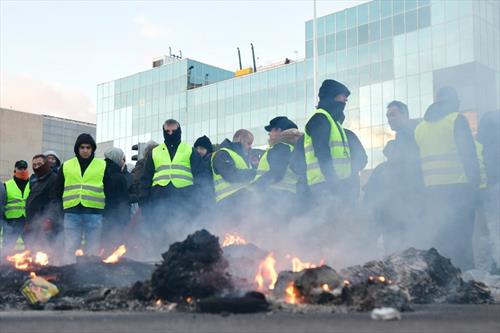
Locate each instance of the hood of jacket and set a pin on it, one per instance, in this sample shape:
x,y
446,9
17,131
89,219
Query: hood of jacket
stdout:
x,y
438,110
289,136
235,146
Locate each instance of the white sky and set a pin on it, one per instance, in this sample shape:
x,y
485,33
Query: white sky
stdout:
x,y
54,53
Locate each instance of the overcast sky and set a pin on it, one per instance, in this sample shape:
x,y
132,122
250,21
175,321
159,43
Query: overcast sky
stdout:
x,y
54,53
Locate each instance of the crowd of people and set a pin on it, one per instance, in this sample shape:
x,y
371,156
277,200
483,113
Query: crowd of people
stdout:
x,y
438,184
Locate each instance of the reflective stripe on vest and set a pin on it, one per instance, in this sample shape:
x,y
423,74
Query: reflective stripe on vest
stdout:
x,y
176,171
15,206
289,181
439,158
87,190
483,178
223,188
339,150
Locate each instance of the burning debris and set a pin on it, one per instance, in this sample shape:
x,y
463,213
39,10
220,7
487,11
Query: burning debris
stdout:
x,y
194,268
426,276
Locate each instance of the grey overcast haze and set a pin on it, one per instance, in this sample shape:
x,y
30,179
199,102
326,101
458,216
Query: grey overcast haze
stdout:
x,y
54,53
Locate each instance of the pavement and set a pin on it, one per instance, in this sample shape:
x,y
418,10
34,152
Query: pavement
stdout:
x,y
428,318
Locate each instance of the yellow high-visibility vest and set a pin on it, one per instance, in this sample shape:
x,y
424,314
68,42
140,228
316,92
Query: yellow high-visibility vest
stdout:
x,y
289,181
15,206
87,190
339,149
177,170
441,163
223,188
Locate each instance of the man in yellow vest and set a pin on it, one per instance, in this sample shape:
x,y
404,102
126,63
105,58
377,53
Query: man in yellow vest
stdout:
x,y
276,182
81,186
17,191
450,171
326,146
170,177
232,172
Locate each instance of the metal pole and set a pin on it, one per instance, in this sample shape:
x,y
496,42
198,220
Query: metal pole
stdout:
x,y
315,58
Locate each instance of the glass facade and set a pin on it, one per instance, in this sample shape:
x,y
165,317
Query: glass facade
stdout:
x,y
382,50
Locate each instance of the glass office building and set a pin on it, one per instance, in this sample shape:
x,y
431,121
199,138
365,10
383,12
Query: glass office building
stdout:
x,y
382,50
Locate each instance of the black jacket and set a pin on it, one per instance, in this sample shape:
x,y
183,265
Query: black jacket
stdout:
x,y
224,165
488,134
149,192
38,204
117,198
58,189
463,139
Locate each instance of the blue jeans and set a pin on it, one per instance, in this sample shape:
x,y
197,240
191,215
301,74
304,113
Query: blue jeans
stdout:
x,y
76,225
11,232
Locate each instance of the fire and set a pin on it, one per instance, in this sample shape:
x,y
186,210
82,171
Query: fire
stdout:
x,y
267,273
21,260
381,279
32,275
189,299
325,287
346,282
158,302
79,253
291,294
41,258
299,265
233,239
115,256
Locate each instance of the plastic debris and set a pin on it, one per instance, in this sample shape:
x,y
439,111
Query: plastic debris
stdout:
x,y
38,290
385,314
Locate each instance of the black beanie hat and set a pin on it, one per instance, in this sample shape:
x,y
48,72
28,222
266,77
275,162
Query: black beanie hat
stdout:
x,y
84,138
332,88
204,142
21,164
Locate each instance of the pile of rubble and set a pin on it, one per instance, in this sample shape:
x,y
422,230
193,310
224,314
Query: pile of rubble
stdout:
x,y
196,276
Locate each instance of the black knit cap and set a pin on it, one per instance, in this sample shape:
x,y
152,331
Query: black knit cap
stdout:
x,y
332,88
84,138
282,123
21,164
204,141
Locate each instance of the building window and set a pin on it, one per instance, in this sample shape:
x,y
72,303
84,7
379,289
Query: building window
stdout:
x,y
363,14
398,24
424,17
411,21
363,34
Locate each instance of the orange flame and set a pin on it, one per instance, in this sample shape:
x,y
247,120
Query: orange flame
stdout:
x,y
299,265
158,302
115,256
267,273
346,282
381,279
79,253
233,239
325,287
32,275
291,294
41,258
189,299
21,260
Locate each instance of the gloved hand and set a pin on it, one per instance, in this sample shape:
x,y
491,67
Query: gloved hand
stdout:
x,y
47,225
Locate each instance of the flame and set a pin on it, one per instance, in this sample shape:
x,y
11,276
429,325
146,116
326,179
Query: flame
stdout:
x,y
158,302
41,258
115,256
79,253
21,260
189,299
32,275
267,272
291,294
325,287
346,282
233,239
299,265
381,279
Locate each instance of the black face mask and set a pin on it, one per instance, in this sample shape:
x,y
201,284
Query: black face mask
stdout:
x,y
335,108
173,138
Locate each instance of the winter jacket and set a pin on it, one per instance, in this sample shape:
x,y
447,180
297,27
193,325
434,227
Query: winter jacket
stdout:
x,y
488,134
3,198
359,159
149,192
278,157
117,197
38,204
224,165
463,138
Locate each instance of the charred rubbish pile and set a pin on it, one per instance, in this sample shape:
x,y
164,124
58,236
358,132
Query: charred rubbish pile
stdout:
x,y
195,276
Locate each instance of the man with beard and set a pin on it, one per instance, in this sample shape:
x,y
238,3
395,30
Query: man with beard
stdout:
x,y
82,186
41,215
170,176
17,190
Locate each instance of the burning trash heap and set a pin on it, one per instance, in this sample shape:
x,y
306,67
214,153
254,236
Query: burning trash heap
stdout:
x,y
198,274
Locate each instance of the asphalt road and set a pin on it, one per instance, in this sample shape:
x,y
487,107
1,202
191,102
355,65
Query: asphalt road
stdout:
x,y
442,318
